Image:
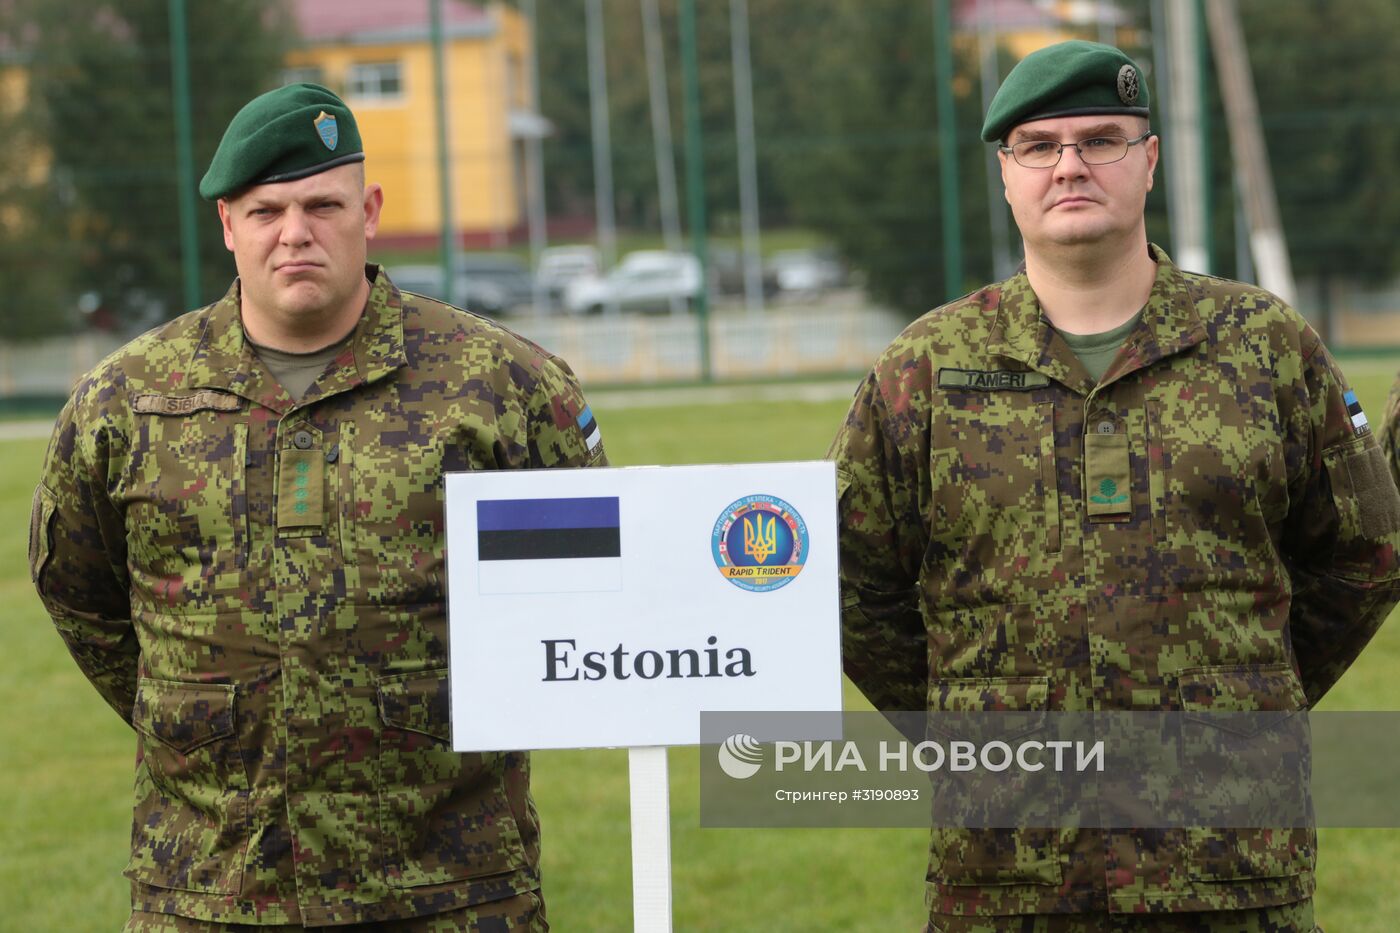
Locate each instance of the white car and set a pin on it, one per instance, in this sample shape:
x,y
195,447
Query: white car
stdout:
x,y
806,271
560,265
647,280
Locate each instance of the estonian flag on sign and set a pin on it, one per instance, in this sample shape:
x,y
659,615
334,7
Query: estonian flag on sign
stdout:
x,y
548,545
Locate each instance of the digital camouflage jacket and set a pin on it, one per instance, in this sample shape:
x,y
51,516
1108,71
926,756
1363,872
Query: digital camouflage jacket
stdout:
x,y
1390,430
1207,528
255,584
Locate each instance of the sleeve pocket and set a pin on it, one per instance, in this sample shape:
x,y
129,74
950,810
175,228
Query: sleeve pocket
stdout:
x,y
40,533
1374,490
1366,502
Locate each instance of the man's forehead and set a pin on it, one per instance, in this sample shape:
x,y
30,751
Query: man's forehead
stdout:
x,y
341,181
1081,127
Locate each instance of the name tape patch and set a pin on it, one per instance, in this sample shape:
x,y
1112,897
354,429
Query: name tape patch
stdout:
x,y
991,380
185,404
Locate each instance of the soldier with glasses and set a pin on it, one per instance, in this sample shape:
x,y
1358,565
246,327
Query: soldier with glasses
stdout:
x,y
1108,483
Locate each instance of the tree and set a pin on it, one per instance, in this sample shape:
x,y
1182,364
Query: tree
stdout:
x,y
862,161
101,79
564,99
1326,76
35,258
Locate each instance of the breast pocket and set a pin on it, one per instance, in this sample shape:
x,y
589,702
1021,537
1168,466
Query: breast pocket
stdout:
x,y
390,511
187,503
995,502
1216,479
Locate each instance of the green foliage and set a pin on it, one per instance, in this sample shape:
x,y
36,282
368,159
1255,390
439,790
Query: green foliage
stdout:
x,y
866,170
34,254
101,82
1326,75
564,99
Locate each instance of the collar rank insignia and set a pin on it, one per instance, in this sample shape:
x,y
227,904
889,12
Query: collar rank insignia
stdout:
x,y
991,380
330,133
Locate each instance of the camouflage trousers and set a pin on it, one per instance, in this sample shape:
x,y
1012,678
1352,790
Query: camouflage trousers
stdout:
x,y
524,913
1286,918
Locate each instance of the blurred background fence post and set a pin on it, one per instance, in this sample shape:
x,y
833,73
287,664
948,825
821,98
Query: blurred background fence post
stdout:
x,y
184,149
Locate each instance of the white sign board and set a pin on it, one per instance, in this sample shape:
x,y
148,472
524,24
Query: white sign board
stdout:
x,y
609,607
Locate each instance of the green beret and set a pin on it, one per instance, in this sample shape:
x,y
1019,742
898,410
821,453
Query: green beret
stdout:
x,y
1066,80
283,135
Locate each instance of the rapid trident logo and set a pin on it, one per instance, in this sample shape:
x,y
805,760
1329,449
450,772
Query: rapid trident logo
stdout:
x,y
759,543
740,756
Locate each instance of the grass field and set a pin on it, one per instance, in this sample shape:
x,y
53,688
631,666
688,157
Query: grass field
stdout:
x,y
67,760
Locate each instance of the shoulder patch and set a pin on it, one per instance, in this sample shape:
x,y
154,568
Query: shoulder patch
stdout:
x,y
991,380
205,399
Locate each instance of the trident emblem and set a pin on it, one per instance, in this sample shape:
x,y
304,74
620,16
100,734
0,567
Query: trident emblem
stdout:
x,y
760,542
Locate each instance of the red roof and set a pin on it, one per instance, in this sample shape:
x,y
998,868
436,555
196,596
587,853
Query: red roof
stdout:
x,y
332,20
1004,14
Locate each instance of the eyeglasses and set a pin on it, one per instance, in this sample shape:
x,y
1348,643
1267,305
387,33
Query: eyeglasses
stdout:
x,y
1099,150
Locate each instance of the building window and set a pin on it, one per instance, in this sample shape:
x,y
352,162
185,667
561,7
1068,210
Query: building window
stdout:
x,y
309,74
375,81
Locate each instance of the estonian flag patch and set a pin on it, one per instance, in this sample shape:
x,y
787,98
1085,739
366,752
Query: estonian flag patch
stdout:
x,y
589,426
549,545
1359,423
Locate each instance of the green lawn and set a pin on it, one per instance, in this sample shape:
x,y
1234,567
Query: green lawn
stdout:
x,y
67,760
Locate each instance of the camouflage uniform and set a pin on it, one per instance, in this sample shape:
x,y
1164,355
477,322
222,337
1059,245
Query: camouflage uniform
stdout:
x,y
1231,544
255,584
1390,431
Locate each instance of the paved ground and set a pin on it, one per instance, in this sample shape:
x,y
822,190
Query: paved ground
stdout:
x,y
24,430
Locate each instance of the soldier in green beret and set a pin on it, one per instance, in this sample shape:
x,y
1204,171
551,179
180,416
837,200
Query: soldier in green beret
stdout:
x,y
239,535
1108,483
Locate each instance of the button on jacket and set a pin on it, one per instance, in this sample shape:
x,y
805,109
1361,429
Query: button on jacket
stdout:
x,y
1206,528
256,585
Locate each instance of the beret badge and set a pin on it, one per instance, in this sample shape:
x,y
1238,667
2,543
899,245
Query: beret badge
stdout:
x,y
1127,84
330,134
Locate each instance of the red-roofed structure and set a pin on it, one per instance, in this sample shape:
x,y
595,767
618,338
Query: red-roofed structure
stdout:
x,y
378,55
331,21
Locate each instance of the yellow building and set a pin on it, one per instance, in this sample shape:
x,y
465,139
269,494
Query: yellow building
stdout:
x,y
1021,27
379,56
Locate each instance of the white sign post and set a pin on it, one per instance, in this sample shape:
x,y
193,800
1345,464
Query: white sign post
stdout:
x,y
609,607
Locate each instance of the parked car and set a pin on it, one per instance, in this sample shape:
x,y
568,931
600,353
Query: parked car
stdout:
x,y
560,265
647,280
727,273
807,271
487,283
